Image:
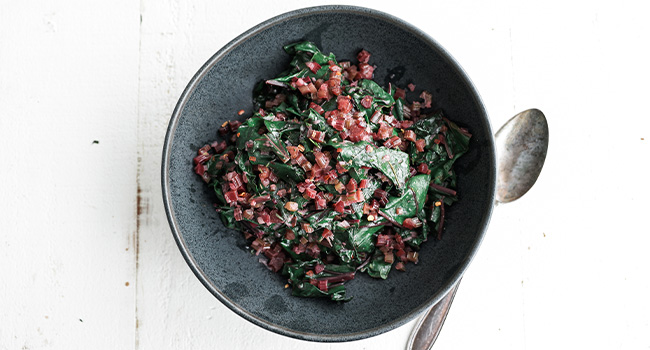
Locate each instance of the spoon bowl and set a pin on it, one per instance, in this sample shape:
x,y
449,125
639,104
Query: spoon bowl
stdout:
x,y
521,143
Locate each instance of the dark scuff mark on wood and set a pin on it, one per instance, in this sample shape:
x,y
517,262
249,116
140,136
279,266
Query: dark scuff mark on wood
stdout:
x,y
136,244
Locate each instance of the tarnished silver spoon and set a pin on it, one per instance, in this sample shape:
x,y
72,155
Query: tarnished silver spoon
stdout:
x,y
521,145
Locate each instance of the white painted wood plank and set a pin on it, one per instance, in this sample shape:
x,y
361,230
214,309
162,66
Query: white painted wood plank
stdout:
x,y
68,76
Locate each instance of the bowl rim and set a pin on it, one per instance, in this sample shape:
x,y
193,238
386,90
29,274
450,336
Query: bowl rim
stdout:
x,y
166,159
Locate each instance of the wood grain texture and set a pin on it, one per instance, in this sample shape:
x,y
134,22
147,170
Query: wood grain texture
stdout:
x,y
79,219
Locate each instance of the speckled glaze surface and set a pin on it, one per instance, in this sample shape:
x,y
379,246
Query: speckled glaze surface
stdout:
x,y
218,256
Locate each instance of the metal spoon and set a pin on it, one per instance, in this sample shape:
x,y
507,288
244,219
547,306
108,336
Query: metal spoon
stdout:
x,y
521,145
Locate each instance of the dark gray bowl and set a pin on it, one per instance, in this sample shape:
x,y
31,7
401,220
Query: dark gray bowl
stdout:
x,y
403,54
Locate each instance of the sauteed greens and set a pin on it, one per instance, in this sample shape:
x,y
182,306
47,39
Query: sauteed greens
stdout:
x,y
333,175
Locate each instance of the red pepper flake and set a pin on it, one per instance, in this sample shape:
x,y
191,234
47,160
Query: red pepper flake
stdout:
x,y
241,111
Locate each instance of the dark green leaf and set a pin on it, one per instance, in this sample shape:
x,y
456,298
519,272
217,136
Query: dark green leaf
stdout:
x,y
281,126
322,59
306,46
248,131
428,128
363,238
277,146
324,219
228,217
393,163
379,94
398,110
287,78
377,267
287,172
330,105
458,142
411,202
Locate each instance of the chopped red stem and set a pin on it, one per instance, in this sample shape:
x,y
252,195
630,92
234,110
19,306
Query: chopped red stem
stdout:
x,y
442,219
338,278
443,189
389,219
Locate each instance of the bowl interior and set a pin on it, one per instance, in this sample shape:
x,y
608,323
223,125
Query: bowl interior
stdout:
x,y
224,85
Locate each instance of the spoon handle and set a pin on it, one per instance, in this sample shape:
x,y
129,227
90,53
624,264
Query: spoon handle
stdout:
x,y
429,326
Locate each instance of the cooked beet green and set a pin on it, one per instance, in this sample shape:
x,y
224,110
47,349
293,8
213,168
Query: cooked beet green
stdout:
x,y
334,175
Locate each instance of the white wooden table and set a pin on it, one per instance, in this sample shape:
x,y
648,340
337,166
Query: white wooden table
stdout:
x,y
87,260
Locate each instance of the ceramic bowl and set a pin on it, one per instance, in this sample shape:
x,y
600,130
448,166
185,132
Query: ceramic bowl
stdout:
x,y
218,256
